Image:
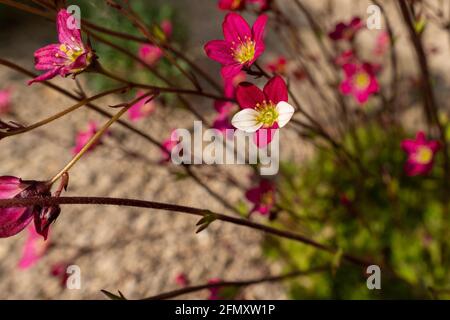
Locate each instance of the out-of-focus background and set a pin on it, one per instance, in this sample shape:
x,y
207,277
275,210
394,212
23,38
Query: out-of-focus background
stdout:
x,y
141,252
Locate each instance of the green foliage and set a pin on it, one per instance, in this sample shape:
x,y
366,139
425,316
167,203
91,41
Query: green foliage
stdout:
x,y
377,213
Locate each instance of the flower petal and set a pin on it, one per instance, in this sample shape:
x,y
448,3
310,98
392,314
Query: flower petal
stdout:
x,y
235,28
68,33
231,70
258,34
276,90
219,51
248,95
245,120
14,220
285,113
264,136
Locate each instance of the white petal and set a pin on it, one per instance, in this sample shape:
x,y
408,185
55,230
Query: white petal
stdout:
x,y
285,112
245,120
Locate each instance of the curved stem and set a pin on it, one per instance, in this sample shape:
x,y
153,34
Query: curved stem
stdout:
x,y
63,113
96,137
206,214
242,283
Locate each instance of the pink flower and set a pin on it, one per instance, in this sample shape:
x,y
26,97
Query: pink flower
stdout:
x,y
360,81
241,47
33,250
214,292
263,111
263,5
231,4
15,219
84,136
142,108
278,65
345,57
59,270
167,27
262,197
168,145
5,100
182,280
69,56
150,53
235,5
381,44
346,31
421,154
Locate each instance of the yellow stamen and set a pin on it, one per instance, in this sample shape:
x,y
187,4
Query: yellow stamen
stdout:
x,y
361,80
423,155
245,51
268,114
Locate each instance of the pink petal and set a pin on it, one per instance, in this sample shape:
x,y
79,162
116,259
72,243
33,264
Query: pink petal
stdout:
x,y
249,95
219,51
350,69
276,90
231,70
346,87
46,76
235,28
263,137
409,146
258,34
49,57
14,220
67,35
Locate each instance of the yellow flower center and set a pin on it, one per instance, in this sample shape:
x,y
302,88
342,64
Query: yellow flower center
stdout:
x,y
362,80
267,198
267,114
245,51
71,53
423,155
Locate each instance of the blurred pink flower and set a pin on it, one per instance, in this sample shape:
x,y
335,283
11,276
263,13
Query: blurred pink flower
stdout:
x,y
263,111
421,154
168,145
345,57
214,292
150,54
167,27
262,197
278,65
381,44
59,270
5,100
231,4
69,56
241,47
360,81
33,250
263,5
234,5
142,108
182,280
346,31
84,136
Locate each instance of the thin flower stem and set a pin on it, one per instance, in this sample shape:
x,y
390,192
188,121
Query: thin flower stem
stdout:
x,y
96,137
63,113
239,284
54,201
101,70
